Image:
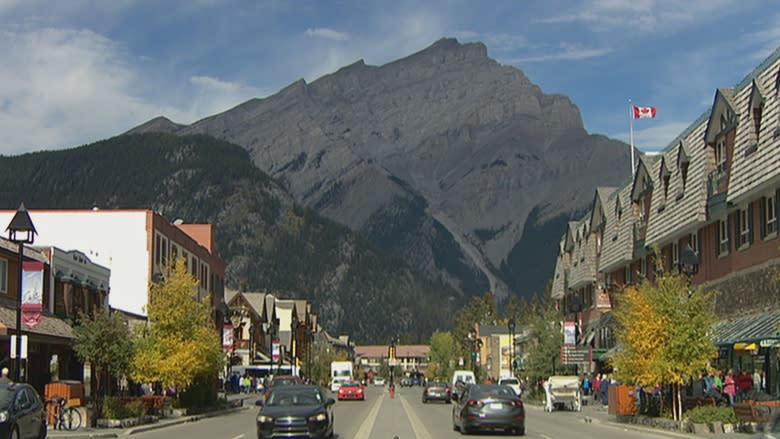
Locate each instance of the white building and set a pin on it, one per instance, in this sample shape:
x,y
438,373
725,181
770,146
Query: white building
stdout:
x,y
133,244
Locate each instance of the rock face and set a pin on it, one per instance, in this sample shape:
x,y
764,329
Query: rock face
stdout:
x,y
439,157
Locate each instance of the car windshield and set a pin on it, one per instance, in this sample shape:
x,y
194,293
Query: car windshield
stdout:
x,y
508,381
437,384
284,382
294,398
487,390
6,397
352,384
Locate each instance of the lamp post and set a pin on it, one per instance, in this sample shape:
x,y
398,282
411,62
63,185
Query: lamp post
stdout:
x,y
511,326
476,344
20,231
237,316
294,346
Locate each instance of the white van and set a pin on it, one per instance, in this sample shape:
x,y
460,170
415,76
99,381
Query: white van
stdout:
x,y
465,376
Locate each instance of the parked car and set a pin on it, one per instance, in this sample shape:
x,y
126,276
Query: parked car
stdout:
x,y
285,380
379,381
406,382
511,382
22,413
436,391
295,410
351,390
488,407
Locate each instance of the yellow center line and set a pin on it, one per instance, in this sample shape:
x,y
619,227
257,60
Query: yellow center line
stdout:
x,y
419,429
364,432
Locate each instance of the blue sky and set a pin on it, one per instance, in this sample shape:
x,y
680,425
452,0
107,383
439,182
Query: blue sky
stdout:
x,y
76,71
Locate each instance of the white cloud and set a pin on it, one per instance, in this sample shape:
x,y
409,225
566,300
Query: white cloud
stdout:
x,y
566,52
641,16
214,83
328,34
64,87
653,138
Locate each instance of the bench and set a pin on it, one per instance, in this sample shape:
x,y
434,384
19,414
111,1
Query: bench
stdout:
x,y
154,403
755,411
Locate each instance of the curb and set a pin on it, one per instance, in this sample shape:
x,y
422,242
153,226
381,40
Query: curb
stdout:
x,y
143,428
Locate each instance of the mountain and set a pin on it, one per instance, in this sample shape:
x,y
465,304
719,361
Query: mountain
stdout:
x,y
456,164
268,241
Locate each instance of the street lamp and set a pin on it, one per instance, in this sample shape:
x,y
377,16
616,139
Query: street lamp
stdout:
x,y
237,316
20,231
511,326
689,261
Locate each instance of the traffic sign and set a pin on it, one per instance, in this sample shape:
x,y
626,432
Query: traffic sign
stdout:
x,y
571,355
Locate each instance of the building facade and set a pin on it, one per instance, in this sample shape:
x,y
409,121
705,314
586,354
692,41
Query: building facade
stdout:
x,y
707,205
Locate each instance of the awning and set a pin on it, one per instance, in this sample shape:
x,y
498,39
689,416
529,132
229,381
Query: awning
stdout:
x,y
756,328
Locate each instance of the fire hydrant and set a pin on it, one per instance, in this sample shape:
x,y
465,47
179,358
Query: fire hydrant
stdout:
x,y
392,391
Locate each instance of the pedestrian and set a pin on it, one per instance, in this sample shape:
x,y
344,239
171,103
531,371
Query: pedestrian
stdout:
x,y
596,387
709,384
744,384
4,379
586,385
604,387
730,387
757,379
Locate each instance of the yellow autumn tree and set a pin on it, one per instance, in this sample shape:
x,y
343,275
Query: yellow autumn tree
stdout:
x,y
180,345
664,334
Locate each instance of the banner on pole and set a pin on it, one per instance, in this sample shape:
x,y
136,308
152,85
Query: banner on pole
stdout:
x,y
13,347
227,336
275,350
32,289
569,333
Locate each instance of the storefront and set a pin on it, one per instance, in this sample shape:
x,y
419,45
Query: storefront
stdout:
x,y
751,343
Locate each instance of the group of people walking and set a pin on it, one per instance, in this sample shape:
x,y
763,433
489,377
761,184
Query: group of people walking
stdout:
x,y
597,387
730,386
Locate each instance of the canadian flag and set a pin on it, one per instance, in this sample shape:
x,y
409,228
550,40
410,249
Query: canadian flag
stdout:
x,y
643,112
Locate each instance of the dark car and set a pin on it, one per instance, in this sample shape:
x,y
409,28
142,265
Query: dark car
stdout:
x,y
488,407
406,382
22,414
436,391
285,380
295,411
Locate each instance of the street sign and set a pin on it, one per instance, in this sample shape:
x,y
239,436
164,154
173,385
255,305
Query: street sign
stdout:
x,y
570,355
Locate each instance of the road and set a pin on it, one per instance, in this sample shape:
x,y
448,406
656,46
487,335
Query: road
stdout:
x,y
405,416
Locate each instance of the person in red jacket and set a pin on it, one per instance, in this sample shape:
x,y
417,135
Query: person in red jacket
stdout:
x,y
744,384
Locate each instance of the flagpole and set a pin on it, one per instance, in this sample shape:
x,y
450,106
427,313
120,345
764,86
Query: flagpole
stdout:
x,y
631,134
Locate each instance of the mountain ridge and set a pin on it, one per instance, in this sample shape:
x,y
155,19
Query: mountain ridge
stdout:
x,y
439,157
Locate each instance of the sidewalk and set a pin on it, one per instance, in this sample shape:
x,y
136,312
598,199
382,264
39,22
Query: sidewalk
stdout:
x,y
245,400
597,414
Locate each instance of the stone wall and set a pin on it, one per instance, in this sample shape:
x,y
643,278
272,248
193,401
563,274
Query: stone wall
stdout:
x,y
749,291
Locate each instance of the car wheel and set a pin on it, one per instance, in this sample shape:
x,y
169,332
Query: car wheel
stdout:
x,y
520,431
425,401
15,433
42,434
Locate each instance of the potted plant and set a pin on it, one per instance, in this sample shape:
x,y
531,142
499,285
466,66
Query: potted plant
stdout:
x,y
706,419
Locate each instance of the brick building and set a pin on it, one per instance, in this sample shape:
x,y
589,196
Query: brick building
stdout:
x,y
713,192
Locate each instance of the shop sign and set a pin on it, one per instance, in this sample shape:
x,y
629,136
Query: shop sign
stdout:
x,y
769,343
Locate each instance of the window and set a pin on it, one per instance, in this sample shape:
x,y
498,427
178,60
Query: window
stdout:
x,y
194,267
3,276
643,266
675,254
598,243
723,237
628,274
693,241
720,154
743,223
770,215
164,251
157,250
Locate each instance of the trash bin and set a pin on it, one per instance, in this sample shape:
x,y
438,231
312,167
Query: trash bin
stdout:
x,y
621,400
72,391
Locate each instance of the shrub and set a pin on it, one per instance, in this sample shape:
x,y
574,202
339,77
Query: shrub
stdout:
x,y
708,414
135,408
114,408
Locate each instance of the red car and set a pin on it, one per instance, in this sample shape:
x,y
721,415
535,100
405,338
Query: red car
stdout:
x,y
351,390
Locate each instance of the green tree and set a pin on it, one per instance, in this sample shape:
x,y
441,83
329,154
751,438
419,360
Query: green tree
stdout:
x,y
321,357
104,340
180,345
480,310
443,354
545,338
664,334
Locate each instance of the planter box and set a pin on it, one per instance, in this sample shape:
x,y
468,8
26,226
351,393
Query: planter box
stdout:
x,y
717,427
118,423
700,428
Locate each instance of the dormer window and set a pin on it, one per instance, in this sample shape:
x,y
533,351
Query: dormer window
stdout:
x,y
720,154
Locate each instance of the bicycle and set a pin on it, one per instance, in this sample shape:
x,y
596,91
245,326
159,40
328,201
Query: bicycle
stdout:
x,y
65,417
